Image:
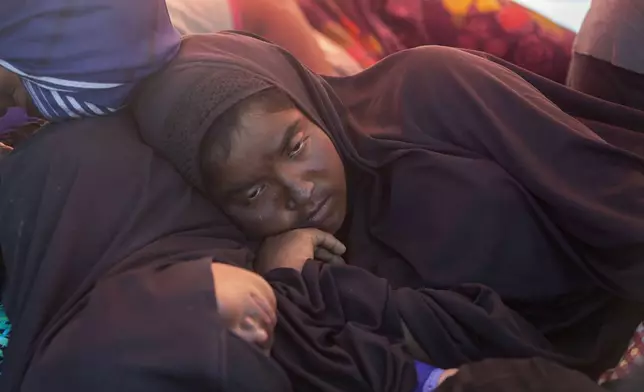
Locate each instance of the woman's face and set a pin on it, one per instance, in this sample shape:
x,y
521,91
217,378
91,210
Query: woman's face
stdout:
x,y
282,172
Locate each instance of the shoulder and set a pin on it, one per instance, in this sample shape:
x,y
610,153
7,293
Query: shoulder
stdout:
x,y
441,60
88,139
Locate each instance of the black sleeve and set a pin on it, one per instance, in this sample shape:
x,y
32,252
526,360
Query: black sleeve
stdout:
x,y
149,330
339,331
470,323
346,320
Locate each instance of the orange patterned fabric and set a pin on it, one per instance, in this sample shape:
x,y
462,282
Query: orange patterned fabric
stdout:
x,y
633,357
372,29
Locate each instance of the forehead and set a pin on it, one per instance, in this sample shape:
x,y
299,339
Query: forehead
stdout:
x,y
258,132
255,142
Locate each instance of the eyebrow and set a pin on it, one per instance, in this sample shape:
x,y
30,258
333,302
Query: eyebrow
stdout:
x,y
291,131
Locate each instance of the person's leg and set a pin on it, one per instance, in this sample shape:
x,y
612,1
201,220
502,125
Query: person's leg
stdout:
x,y
606,81
284,23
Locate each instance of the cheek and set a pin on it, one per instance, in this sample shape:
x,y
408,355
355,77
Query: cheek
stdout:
x,y
334,165
264,220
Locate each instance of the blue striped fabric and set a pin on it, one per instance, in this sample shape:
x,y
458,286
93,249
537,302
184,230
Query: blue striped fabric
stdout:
x,y
80,58
58,99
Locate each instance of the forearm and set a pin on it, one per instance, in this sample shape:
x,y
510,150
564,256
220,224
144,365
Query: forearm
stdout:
x,y
283,23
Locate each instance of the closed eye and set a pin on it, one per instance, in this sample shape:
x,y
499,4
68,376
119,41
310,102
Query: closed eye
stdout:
x,y
296,148
255,192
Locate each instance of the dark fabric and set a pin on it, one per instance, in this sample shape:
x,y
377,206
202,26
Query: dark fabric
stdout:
x,y
462,168
339,330
527,375
344,322
604,80
108,285
181,145
108,254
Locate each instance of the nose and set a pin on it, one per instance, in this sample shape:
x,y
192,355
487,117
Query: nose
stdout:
x,y
299,189
299,194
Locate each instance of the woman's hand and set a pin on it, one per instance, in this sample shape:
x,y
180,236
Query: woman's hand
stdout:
x,y
293,248
246,304
4,149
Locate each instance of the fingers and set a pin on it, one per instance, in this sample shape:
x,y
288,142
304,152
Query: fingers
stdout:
x,y
324,255
325,240
447,374
337,260
264,310
4,149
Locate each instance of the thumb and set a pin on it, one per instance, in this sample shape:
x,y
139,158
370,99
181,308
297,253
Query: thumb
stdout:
x,y
327,241
324,255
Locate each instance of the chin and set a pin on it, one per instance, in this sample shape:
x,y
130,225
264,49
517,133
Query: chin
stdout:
x,y
334,222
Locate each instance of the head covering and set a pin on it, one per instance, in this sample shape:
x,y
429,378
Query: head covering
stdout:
x,y
82,58
461,168
220,76
210,98
107,253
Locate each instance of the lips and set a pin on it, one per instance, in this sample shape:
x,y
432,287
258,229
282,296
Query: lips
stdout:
x,y
320,212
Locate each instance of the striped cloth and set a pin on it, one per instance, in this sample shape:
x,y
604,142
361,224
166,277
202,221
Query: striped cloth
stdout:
x,y
83,58
58,99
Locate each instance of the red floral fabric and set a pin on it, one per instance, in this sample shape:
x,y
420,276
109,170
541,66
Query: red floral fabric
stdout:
x,y
372,29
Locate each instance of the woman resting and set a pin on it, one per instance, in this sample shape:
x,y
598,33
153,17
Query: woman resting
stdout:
x,y
109,283
436,167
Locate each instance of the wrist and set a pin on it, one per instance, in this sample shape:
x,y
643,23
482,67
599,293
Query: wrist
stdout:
x,y
428,377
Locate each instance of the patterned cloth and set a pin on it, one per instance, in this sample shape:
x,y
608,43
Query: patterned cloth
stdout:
x,y
633,357
5,331
372,29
